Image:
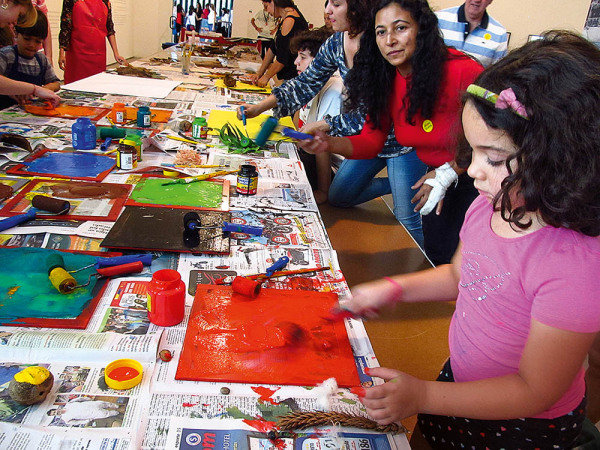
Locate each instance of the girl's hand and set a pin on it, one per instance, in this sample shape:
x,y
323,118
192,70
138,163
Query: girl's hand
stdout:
x,y
319,144
399,397
62,59
313,127
368,298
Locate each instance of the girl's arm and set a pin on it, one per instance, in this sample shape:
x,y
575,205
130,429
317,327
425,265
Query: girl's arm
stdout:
x,y
17,88
550,362
437,284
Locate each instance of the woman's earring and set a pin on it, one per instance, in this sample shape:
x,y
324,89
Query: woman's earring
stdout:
x,y
4,4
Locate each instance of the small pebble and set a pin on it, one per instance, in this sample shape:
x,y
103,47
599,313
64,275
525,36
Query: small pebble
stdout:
x,y
165,355
225,390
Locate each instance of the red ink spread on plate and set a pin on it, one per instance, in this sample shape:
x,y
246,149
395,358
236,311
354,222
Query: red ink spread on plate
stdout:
x,y
123,373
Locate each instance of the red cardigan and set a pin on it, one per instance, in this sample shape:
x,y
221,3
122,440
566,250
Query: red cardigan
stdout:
x,y
435,139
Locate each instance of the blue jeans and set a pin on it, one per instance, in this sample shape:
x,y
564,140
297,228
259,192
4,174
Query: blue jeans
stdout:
x,y
355,183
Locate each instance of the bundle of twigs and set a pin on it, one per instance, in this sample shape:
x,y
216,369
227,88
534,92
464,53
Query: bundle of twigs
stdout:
x,y
308,419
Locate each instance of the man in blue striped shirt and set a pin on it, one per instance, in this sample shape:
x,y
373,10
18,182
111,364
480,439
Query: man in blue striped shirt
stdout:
x,y
469,28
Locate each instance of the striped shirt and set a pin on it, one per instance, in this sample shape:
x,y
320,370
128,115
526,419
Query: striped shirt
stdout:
x,y
487,43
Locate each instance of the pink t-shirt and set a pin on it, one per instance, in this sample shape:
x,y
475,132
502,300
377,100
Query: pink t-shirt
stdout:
x,y
550,275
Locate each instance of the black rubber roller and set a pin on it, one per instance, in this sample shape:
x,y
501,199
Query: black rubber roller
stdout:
x,y
53,205
191,221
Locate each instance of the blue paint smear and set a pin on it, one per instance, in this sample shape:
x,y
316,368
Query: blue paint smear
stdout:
x,y
71,164
26,269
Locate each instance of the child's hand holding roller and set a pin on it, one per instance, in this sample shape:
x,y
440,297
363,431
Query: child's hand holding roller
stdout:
x,y
399,397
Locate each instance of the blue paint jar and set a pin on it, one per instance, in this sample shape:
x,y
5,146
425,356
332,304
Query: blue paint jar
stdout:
x,y
143,117
83,133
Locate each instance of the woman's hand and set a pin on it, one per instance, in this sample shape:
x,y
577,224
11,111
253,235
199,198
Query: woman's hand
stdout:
x,y
254,78
420,198
262,81
121,60
368,298
399,397
319,144
433,188
62,59
313,127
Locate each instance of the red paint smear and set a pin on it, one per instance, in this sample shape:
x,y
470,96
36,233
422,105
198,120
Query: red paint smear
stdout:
x,y
188,405
276,338
265,394
123,373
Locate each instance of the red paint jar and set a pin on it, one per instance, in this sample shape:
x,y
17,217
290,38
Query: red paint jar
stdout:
x,y
166,298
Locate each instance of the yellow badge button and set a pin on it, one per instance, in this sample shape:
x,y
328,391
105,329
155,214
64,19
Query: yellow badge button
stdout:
x,y
487,36
427,126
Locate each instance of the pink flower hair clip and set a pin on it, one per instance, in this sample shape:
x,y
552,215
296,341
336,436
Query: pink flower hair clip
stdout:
x,y
506,99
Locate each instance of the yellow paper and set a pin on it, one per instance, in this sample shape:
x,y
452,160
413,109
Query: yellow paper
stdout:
x,y
218,117
239,86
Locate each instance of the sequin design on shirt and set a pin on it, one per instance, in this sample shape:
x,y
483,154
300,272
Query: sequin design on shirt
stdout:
x,y
474,281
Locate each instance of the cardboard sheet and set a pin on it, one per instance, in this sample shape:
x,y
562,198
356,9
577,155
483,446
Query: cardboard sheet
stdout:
x,y
108,83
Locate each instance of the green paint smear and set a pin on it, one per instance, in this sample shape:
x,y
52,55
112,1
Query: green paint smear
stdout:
x,y
235,413
26,291
202,194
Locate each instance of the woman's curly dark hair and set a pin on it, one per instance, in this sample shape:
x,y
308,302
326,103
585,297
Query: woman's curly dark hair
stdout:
x,y
370,81
358,15
557,79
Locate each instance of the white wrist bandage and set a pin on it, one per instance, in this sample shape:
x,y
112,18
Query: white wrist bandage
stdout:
x,y
444,177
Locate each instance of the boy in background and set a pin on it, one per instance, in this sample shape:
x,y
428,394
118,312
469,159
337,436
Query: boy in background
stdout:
x,y
327,101
23,62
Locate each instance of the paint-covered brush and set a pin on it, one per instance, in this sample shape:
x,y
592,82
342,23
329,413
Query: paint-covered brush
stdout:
x,y
206,176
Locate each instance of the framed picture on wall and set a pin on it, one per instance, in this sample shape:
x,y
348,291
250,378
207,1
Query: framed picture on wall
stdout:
x,y
591,28
508,38
533,37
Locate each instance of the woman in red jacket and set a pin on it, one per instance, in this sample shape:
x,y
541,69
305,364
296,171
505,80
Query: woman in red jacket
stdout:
x,y
405,75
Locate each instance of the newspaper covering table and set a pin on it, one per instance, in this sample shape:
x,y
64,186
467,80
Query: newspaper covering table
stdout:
x,y
162,412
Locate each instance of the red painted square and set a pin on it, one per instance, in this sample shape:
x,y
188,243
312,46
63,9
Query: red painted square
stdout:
x,y
281,337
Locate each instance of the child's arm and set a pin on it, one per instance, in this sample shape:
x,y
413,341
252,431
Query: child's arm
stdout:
x,y
437,284
54,86
551,360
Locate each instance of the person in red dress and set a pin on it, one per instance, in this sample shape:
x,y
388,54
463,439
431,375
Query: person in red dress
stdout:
x,y
84,24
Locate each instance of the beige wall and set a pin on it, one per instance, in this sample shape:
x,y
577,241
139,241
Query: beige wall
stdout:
x,y
140,25
520,17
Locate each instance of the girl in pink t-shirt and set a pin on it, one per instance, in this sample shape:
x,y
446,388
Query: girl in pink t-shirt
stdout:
x,y
525,275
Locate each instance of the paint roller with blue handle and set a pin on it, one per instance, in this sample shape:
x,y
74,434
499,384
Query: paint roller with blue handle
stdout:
x,y
39,203
243,111
298,135
191,221
265,131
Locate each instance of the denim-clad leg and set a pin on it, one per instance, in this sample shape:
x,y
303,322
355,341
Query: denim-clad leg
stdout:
x,y
355,183
404,171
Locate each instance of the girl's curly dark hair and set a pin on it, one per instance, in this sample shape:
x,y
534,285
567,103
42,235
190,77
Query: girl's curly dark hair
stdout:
x,y
370,81
557,79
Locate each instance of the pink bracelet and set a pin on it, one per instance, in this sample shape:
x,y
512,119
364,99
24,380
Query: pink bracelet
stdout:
x,y
398,290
